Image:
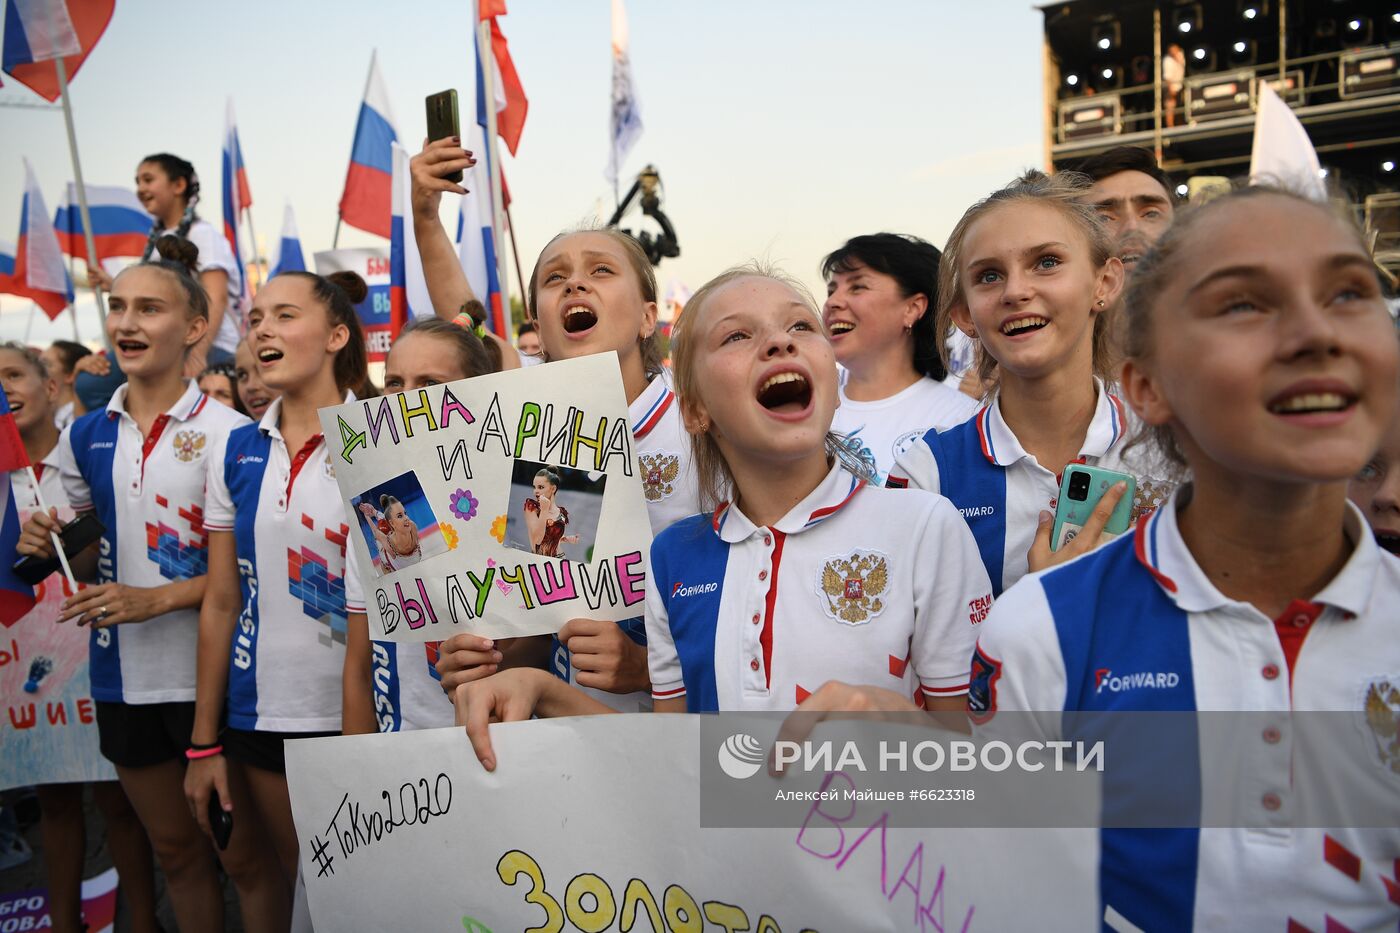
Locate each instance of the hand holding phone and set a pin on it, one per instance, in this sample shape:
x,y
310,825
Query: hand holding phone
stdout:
x,y
1087,508
1081,489
75,537
220,821
443,122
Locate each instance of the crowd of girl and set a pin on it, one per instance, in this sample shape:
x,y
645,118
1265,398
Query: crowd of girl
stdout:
x,y
788,449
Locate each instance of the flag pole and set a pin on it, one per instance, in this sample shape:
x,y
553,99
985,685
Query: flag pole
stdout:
x,y
487,56
62,70
335,240
53,536
257,255
514,251
72,308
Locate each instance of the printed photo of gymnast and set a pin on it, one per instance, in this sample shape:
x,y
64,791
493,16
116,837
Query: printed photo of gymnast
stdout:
x,y
398,524
554,510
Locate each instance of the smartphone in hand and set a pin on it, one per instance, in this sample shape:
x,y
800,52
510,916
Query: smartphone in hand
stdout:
x,y
443,122
75,536
220,821
1081,488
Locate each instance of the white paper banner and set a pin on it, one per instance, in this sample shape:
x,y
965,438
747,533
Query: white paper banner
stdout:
x,y
593,824
502,505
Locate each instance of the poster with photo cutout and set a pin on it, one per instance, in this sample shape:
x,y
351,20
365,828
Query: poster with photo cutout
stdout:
x,y
503,505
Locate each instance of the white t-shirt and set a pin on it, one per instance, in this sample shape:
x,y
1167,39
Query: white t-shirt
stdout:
x,y
882,429
63,416
215,253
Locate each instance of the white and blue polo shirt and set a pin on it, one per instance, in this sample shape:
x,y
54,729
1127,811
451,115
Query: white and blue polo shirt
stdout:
x,y
1001,490
288,521
857,583
149,495
1137,625
672,493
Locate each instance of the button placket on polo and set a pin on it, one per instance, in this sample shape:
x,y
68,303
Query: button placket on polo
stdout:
x,y
760,543
284,473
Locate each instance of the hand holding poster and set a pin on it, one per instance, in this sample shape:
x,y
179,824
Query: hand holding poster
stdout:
x,y
596,824
502,505
49,733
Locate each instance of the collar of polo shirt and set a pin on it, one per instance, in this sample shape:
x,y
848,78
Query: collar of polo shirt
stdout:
x,y
831,495
1159,547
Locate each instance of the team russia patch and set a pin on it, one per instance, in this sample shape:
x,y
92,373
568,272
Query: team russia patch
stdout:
x,y
982,688
852,588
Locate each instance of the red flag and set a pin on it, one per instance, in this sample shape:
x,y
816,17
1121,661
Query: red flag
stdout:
x,y
90,19
510,119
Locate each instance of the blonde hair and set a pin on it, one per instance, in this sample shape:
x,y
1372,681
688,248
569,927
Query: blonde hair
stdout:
x,y
1156,270
712,473
1065,192
650,347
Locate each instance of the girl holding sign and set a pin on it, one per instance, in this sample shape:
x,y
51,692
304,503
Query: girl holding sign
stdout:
x,y
1267,365
1028,272
140,465
33,395
281,592
393,686
591,291
805,572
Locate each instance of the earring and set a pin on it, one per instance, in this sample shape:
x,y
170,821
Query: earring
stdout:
x,y
1100,302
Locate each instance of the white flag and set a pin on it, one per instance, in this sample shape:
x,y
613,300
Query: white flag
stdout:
x,y
1283,153
46,29
626,109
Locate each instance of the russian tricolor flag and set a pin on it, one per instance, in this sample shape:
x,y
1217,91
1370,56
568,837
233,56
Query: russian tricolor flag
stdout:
x,y
368,201
39,272
16,596
39,31
236,196
289,255
120,225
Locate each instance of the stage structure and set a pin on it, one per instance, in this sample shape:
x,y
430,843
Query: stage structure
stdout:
x,y
1336,63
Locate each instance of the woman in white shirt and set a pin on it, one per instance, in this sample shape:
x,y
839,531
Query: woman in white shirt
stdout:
x,y
881,290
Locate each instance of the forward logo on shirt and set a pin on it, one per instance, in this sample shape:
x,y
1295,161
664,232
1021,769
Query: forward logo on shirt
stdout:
x,y
850,586
189,445
695,589
659,472
1105,679
1382,704
101,445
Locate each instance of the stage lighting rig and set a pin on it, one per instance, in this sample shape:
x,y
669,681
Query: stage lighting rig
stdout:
x,y
1186,19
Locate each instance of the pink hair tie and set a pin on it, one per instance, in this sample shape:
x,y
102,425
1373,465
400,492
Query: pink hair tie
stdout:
x,y
194,754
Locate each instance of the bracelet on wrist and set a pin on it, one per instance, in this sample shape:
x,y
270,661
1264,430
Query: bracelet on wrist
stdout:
x,y
195,754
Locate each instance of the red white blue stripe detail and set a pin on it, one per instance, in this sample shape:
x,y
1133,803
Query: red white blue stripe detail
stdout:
x,y
653,415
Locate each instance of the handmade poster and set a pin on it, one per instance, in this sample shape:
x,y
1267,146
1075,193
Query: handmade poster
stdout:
x,y
29,910
502,505
596,821
372,265
49,732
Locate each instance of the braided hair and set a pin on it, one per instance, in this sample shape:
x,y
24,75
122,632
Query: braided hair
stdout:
x,y
175,168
